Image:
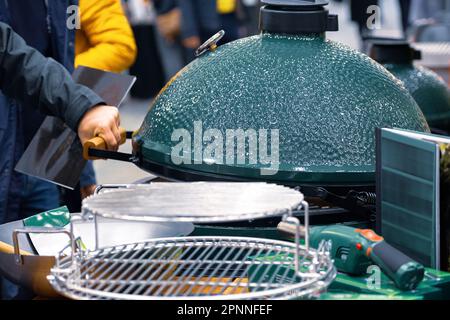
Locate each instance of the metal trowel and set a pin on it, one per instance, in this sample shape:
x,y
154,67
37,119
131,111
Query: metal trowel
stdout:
x,y
55,154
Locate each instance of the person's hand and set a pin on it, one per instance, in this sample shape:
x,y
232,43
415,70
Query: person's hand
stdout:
x,y
169,24
101,121
87,191
192,42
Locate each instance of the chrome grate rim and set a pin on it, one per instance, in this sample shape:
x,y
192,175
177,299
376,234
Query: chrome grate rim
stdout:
x,y
221,268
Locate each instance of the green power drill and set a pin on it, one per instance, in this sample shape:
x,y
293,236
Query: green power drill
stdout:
x,y
354,250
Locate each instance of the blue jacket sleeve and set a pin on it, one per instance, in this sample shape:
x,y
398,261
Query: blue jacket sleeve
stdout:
x,y
189,20
164,6
29,77
199,18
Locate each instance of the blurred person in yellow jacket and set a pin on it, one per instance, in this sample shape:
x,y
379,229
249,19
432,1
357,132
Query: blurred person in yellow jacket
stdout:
x,y
104,41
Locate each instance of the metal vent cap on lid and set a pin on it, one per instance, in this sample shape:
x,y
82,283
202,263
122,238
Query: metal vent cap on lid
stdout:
x,y
296,17
385,50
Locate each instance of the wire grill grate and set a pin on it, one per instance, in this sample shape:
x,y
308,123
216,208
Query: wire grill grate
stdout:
x,y
194,268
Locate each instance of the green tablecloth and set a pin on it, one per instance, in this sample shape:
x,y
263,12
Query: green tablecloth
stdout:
x,y
435,286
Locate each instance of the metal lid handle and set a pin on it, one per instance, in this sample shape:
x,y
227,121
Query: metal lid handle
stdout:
x,y
210,44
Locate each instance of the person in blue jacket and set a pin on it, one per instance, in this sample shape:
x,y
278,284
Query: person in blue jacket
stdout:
x,y
43,24
199,22
28,78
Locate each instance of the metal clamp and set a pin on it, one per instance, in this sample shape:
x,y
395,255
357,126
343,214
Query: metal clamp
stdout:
x,y
91,217
210,44
43,230
298,232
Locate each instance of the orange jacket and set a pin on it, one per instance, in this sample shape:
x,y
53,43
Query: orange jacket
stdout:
x,y
105,40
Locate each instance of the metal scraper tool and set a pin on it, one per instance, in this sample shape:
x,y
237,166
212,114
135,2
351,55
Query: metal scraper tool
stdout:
x,y
55,154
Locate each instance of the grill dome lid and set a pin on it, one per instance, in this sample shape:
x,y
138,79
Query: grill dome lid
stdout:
x,y
324,99
428,89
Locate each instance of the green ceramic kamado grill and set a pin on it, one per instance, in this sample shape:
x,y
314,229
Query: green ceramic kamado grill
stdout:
x,y
428,89
324,99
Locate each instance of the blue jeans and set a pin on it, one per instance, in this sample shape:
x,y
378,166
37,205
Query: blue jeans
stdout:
x,y
36,196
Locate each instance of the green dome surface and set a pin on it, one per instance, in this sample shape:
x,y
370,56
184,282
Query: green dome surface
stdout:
x,y
324,98
429,90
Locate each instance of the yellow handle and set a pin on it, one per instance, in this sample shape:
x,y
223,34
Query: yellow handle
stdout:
x,y
99,143
7,248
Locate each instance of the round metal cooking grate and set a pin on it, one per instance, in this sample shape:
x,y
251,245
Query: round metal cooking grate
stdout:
x,y
195,268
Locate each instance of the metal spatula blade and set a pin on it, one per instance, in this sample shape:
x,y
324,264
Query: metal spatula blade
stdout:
x,y
55,154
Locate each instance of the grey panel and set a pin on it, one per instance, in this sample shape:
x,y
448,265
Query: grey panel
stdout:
x,y
409,188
